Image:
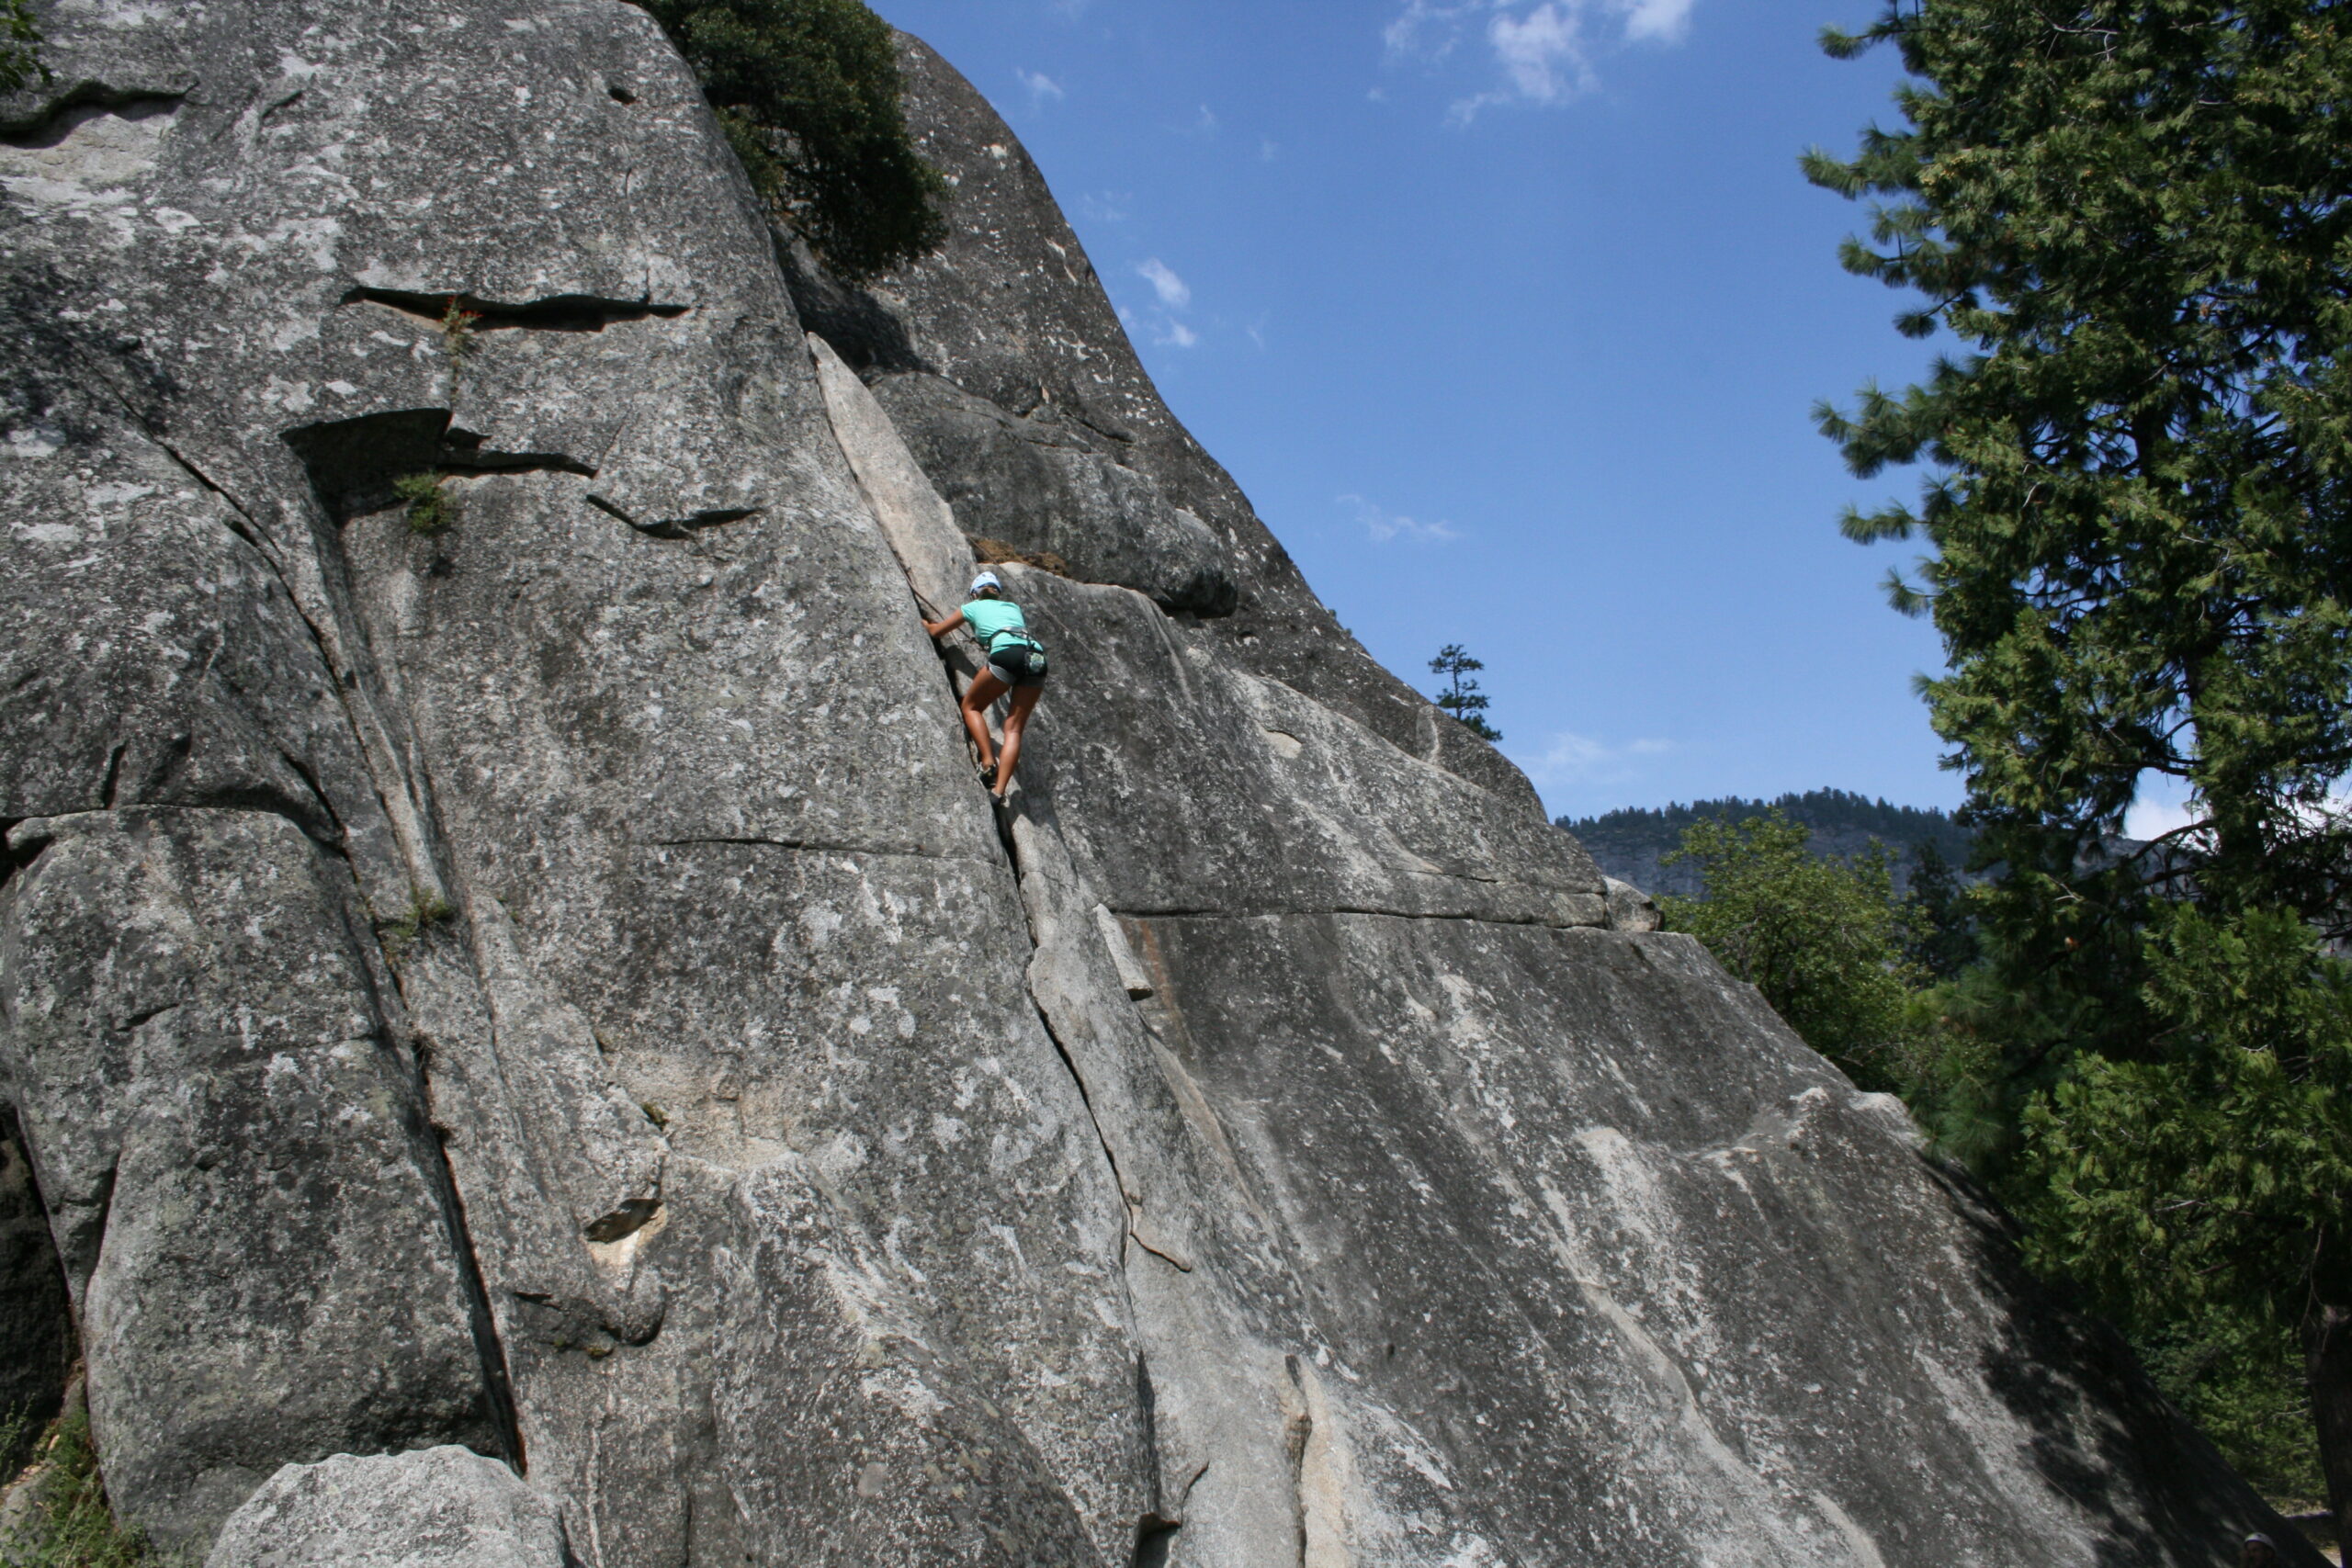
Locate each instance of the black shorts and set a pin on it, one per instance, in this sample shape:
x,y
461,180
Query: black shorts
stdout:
x,y
1019,664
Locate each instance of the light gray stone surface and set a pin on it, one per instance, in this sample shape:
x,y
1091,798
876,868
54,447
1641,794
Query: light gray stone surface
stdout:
x,y
442,1507
554,984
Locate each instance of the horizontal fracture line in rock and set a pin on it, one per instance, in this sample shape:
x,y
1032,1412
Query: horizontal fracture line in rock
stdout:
x,y
556,313
813,846
676,527
1285,911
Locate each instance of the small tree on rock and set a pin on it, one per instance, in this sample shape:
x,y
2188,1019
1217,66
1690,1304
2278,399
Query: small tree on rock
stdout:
x,y
1461,696
808,91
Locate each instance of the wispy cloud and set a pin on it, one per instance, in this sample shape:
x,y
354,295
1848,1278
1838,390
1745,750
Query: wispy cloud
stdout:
x,y
1171,289
1571,760
1177,335
1384,524
1108,206
1542,52
1041,89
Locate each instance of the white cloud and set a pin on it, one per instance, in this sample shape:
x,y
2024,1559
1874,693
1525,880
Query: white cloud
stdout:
x,y
2154,819
1041,89
1665,20
1384,524
1422,18
1177,335
1542,52
1171,289
1571,759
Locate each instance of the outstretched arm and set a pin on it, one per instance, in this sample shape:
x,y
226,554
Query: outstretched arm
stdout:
x,y
944,625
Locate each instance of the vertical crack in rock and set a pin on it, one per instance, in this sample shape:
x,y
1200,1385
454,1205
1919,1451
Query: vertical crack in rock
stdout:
x,y
502,1414
38,1343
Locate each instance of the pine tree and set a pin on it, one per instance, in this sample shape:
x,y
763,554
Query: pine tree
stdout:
x,y
1944,931
1461,696
2135,217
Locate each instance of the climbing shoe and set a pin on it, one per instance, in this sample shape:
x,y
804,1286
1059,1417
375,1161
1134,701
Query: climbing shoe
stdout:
x,y
988,776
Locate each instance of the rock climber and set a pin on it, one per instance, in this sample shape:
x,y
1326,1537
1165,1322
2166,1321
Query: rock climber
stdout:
x,y
1016,663
2259,1552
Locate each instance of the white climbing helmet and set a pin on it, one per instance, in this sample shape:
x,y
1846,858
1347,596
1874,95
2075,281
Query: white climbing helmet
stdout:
x,y
986,579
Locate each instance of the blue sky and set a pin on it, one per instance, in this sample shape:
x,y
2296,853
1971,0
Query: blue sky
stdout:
x,y
1507,315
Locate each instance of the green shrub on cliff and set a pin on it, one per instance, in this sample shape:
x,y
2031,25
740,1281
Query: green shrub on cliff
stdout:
x,y
808,91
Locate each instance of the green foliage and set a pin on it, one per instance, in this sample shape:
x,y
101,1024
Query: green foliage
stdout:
x,y
807,92
20,60
2218,1172
2239,1376
429,508
1461,696
1823,940
425,911
457,339
70,1525
2132,214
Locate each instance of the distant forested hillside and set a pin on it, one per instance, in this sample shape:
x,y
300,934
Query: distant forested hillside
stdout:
x,y
1629,843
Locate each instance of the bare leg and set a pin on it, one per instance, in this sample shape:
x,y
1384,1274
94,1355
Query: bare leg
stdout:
x,y
984,690
1015,721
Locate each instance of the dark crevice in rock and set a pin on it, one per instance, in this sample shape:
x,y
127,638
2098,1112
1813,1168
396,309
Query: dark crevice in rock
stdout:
x,y
38,1343
631,1217
13,860
498,1387
288,102
110,787
60,117
1154,1536
556,313
354,463
676,527
462,456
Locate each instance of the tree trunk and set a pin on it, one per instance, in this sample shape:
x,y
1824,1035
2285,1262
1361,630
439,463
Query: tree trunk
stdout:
x,y
2327,1352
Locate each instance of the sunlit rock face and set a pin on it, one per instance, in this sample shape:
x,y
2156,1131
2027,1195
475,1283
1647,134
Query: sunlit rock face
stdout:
x,y
502,947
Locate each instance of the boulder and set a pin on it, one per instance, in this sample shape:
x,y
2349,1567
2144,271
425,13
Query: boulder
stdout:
x,y
439,1508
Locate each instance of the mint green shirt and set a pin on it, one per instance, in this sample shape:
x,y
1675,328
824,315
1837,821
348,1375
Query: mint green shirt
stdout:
x,y
994,620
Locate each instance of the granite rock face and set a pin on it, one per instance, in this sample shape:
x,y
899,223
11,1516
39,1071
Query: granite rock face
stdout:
x,y
547,983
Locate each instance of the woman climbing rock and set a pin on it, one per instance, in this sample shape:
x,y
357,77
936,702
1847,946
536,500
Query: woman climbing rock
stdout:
x,y
1016,663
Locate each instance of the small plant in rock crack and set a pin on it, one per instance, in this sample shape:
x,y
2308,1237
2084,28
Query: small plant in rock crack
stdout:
x,y
457,339
425,911
65,1521
429,508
